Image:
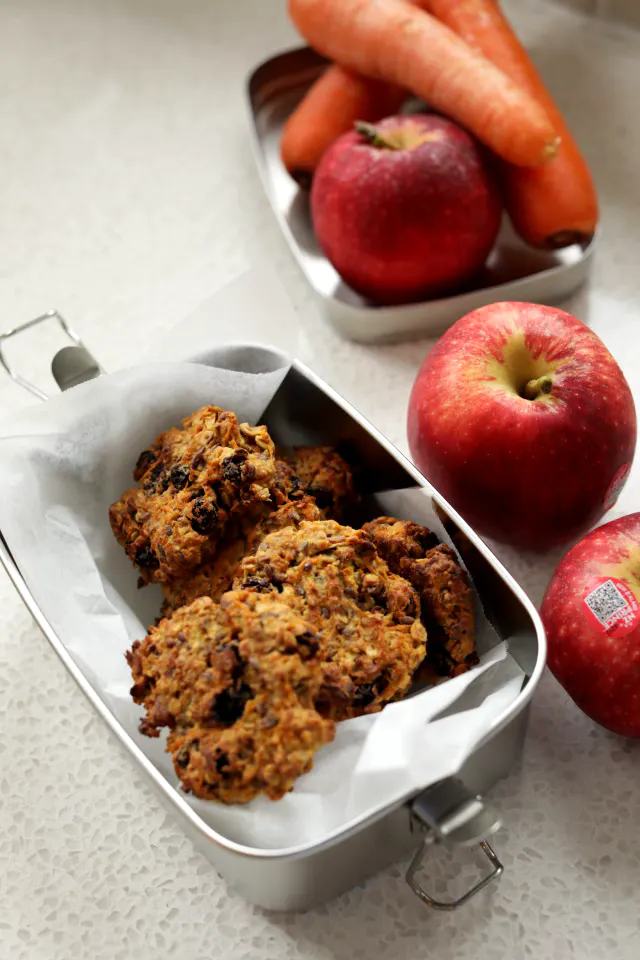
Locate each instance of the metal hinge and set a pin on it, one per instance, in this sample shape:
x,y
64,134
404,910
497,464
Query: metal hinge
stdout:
x,y
70,366
447,813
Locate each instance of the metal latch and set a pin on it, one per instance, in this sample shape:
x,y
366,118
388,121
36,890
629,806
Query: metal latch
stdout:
x,y
70,366
448,813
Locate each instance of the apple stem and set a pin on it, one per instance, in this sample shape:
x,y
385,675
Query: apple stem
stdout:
x,y
373,136
539,387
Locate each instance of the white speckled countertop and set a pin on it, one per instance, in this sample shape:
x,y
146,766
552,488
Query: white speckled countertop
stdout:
x,y
127,196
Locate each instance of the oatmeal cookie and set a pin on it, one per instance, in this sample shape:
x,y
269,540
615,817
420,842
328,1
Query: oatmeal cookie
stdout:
x,y
398,540
326,477
369,619
235,683
191,482
447,608
445,594
215,577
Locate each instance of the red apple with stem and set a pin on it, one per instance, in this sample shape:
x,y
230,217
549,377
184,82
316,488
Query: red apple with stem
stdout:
x,y
524,421
591,612
406,208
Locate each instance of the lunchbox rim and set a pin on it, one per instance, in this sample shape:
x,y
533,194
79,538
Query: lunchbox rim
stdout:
x,y
171,791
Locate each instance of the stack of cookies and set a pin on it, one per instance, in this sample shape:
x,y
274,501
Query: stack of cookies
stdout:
x,y
279,619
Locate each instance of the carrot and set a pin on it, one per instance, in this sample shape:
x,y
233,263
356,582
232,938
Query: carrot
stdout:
x,y
391,40
331,107
550,206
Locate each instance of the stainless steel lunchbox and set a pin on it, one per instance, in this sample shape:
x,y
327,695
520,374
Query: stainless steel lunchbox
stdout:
x,y
307,410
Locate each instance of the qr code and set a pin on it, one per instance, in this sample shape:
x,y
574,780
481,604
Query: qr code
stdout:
x,y
605,601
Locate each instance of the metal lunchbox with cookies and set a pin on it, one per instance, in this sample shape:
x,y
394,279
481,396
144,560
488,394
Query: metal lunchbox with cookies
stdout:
x,y
385,783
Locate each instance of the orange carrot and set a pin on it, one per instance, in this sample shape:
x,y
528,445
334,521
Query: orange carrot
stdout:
x,y
391,40
331,107
550,206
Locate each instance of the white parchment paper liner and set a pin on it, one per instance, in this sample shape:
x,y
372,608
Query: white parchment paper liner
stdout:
x,y
62,464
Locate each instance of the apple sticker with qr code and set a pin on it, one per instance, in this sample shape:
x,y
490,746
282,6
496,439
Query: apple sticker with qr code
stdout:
x,y
615,487
611,607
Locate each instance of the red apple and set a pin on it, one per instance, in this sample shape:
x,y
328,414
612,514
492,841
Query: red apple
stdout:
x,y
591,612
523,420
405,209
